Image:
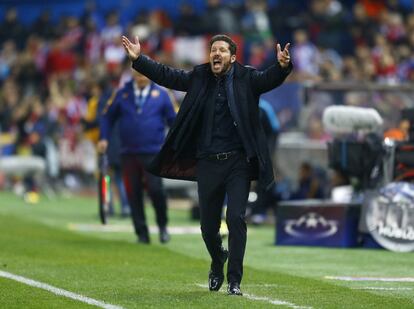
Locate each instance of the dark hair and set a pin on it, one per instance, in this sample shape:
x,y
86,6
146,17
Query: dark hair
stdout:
x,y
227,39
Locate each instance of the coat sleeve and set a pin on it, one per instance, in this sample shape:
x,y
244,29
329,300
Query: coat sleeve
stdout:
x,y
169,112
162,74
272,77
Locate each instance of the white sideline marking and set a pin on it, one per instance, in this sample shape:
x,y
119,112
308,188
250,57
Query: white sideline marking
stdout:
x,y
383,289
276,302
264,285
111,228
58,291
382,279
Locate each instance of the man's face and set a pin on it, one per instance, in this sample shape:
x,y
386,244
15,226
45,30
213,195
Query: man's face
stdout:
x,y
141,80
220,57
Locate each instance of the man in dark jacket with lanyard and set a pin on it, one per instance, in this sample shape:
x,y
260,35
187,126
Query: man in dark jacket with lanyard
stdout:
x,y
143,109
218,141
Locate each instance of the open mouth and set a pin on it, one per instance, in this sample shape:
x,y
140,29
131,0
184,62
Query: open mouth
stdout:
x,y
217,63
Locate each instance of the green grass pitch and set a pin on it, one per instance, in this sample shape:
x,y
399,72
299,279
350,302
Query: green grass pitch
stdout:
x,y
41,242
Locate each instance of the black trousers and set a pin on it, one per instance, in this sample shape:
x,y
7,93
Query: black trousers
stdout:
x,y
215,180
136,180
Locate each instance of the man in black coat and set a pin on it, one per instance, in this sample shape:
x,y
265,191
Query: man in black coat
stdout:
x,y
218,141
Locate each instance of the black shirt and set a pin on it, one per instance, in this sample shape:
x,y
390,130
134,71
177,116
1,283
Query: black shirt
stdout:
x,y
218,132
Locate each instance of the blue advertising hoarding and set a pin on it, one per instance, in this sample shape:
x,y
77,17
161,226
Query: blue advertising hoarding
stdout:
x,y
317,223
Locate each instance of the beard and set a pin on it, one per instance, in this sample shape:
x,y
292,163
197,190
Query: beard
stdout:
x,y
221,68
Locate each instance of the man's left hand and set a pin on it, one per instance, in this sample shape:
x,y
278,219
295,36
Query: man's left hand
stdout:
x,y
283,56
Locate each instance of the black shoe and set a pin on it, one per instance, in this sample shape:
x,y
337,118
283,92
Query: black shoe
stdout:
x,y
164,236
216,274
234,289
143,239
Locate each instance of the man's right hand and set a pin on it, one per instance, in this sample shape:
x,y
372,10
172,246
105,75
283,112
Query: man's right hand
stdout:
x,y
102,146
133,50
283,56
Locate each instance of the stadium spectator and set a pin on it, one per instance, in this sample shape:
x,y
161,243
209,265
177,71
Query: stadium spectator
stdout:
x,y
218,141
8,58
255,23
219,18
43,26
373,8
188,23
12,29
362,28
305,55
112,29
326,20
114,54
401,132
309,185
143,109
10,103
33,130
92,42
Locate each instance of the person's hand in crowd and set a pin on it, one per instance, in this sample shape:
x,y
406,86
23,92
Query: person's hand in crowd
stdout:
x,y
102,146
133,49
283,56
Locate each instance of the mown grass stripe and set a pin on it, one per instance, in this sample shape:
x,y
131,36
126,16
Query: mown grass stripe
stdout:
x,y
383,288
58,291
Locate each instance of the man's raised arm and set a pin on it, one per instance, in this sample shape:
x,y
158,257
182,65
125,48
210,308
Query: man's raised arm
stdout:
x,y
157,72
275,75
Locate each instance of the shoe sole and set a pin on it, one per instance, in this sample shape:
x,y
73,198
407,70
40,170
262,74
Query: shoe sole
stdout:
x,y
221,278
234,294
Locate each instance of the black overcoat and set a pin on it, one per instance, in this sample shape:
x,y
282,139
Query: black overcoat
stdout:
x,y
177,157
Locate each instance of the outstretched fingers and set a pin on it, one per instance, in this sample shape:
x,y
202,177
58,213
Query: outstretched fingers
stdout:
x,y
283,56
286,50
126,42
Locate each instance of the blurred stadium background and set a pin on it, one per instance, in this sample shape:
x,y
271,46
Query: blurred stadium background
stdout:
x,y
58,58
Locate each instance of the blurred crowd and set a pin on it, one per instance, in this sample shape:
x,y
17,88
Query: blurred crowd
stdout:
x,y
53,75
